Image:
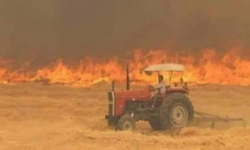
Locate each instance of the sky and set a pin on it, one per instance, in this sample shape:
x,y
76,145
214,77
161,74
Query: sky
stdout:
x,y
45,30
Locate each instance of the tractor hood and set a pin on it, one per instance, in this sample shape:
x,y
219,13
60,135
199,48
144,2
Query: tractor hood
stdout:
x,y
141,95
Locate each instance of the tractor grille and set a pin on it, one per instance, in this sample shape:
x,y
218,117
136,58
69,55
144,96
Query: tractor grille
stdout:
x,y
110,104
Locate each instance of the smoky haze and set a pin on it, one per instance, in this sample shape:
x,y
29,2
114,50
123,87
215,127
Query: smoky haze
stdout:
x,y
45,30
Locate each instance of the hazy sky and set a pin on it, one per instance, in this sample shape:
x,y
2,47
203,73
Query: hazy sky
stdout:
x,y
50,29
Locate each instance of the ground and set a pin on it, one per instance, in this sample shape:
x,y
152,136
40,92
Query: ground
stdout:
x,y
38,117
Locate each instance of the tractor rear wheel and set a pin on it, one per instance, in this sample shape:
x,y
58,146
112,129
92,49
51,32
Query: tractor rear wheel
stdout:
x,y
126,122
176,112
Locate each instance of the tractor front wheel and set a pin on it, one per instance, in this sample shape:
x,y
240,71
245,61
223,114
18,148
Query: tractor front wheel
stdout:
x,y
126,122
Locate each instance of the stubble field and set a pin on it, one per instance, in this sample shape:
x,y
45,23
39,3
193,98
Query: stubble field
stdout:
x,y
37,117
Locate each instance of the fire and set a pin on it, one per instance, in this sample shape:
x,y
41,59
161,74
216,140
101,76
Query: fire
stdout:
x,y
209,67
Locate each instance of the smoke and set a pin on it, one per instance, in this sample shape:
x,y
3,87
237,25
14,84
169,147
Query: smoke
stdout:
x,y
45,30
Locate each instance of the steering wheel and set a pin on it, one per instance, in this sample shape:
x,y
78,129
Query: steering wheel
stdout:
x,y
151,88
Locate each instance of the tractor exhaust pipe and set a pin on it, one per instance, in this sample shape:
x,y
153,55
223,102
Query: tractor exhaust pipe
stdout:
x,y
127,78
113,86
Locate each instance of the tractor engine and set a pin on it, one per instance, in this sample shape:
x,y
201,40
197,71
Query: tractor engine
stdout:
x,y
126,102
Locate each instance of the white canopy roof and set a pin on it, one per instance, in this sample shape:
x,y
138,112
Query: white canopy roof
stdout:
x,y
165,67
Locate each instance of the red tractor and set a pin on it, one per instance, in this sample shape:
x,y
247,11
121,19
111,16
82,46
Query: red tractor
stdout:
x,y
172,111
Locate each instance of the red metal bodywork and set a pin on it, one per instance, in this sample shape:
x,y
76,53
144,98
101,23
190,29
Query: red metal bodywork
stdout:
x,y
121,97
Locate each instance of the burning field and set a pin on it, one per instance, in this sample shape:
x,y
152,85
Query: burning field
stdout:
x,y
34,116
58,59
62,105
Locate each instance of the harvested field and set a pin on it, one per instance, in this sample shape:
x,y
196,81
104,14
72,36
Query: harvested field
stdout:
x,y
36,117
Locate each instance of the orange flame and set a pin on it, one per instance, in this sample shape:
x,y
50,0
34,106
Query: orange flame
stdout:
x,y
208,68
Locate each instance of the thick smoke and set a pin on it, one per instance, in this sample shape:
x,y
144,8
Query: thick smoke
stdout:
x,y
45,30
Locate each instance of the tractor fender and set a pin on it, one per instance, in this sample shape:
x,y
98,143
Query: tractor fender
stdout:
x,y
177,90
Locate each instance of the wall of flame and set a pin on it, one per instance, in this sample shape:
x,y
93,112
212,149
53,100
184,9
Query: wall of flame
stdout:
x,y
208,68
